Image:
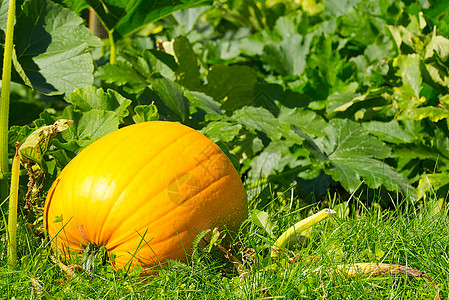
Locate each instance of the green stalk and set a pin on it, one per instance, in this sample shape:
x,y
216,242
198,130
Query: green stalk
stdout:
x,y
113,55
299,227
12,214
4,101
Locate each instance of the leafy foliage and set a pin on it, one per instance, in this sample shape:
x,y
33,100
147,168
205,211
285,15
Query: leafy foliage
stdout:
x,y
52,47
325,95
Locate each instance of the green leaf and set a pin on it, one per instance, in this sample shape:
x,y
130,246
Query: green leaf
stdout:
x,y
88,98
221,131
409,71
275,158
257,118
144,113
61,158
172,96
262,220
76,5
310,145
286,56
203,102
438,45
52,47
122,73
126,16
350,172
86,128
188,72
441,142
391,132
18,134
227,151
307,120
347,139
232,86
354,155
430,183
136,69
260,119
434,114
341,101
436,60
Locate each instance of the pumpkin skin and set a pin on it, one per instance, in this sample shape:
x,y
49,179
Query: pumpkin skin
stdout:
x,y
144,192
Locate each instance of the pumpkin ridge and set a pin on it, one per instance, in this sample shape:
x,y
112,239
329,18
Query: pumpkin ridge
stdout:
x,y
131,178
68,205
177,235
47,206
167,212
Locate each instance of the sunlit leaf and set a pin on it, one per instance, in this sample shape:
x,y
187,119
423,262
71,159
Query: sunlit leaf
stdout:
x,y
52,46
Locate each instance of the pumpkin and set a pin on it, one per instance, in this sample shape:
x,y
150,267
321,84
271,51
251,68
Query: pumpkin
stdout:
x,y
144,192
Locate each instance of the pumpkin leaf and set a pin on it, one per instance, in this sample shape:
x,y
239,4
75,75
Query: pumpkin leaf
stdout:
x,y
430,183
276,157
392,132
203,102
51,58
286,52
122,73
134,72
144,113
188,72
352,155
309,122
172,97
409,70
221,131
86,128
346,139
125,17
88,98
18,134
258,118
434,114
437,57
232,86
76,5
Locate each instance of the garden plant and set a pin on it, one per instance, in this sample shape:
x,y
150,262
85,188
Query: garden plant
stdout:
x,y
324,135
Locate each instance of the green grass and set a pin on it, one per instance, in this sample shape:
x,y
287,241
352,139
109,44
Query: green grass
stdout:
x,y
409,236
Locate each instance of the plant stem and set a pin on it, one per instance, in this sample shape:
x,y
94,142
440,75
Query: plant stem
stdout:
x,y
4,101
12,214
299,227
113,55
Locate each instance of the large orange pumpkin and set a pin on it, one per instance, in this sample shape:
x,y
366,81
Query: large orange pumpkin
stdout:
x,y
144,192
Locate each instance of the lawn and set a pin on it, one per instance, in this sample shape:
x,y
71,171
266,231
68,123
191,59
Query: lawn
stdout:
x,y
409,237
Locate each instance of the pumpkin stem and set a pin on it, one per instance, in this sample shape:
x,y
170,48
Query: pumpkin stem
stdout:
x,y
299,227
93,256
